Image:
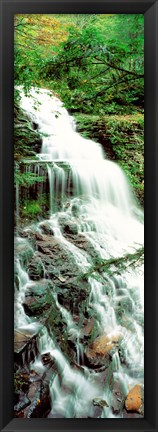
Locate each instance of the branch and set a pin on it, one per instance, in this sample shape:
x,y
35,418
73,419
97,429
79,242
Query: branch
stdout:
x,y
122,69
111,85
104,265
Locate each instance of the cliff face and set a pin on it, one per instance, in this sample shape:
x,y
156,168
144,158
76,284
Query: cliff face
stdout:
x,y
27,140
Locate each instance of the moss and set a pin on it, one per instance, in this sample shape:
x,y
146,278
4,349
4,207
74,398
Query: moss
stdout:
x,y
32,208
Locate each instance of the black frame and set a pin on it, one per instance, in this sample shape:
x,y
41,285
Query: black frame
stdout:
x,y
150,10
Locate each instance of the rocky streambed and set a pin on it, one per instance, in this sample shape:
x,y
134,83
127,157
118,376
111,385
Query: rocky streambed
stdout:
x,y
57,294
78,272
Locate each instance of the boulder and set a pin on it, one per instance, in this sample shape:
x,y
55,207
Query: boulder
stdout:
x,y
38,298
56,258
135,400
98,352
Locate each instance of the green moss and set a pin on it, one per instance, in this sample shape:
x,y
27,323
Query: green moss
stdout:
x,y
31,208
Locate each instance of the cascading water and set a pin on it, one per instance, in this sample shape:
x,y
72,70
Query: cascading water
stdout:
x,y
90,195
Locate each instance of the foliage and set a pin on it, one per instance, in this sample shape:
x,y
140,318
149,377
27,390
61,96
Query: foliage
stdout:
x,y
94,62
98,70
121,263
32,208
26,178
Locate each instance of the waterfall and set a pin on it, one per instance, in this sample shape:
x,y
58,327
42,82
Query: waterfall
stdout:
x,y
90,198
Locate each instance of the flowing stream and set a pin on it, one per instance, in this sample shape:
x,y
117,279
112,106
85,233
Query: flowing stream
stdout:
x,y
90,194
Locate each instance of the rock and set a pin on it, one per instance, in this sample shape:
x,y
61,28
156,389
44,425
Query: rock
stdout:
x,y
36,269
56,259
39,396
24,401
23,251
25,134
25,346
35,307
70,228
75,209
73,294
29,234
68,225
100,402
38,236
118,398
83,243
46,228
98,352
96,412
130,414
39,288
87,329
47,360
135,400
38,298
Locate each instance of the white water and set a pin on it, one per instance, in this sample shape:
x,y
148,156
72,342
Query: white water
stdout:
x,y
96,198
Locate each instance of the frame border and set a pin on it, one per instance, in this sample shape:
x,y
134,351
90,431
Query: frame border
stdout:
x,y
150,10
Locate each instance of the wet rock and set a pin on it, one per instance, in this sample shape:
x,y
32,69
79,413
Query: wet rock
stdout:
x,y
98,352
39,289
39,396
36,269
46,228
34,307
38,298
47,360
83,243
39,236
29,234
118,398
23,251
16,279
25,346
70,228
135,400
100,402
73,294
87,329
26,134
123,304
34,376
130,414
75,209
96,412
24,401
56,258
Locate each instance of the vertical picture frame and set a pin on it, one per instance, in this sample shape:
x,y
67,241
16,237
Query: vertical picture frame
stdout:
x,y
150,11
